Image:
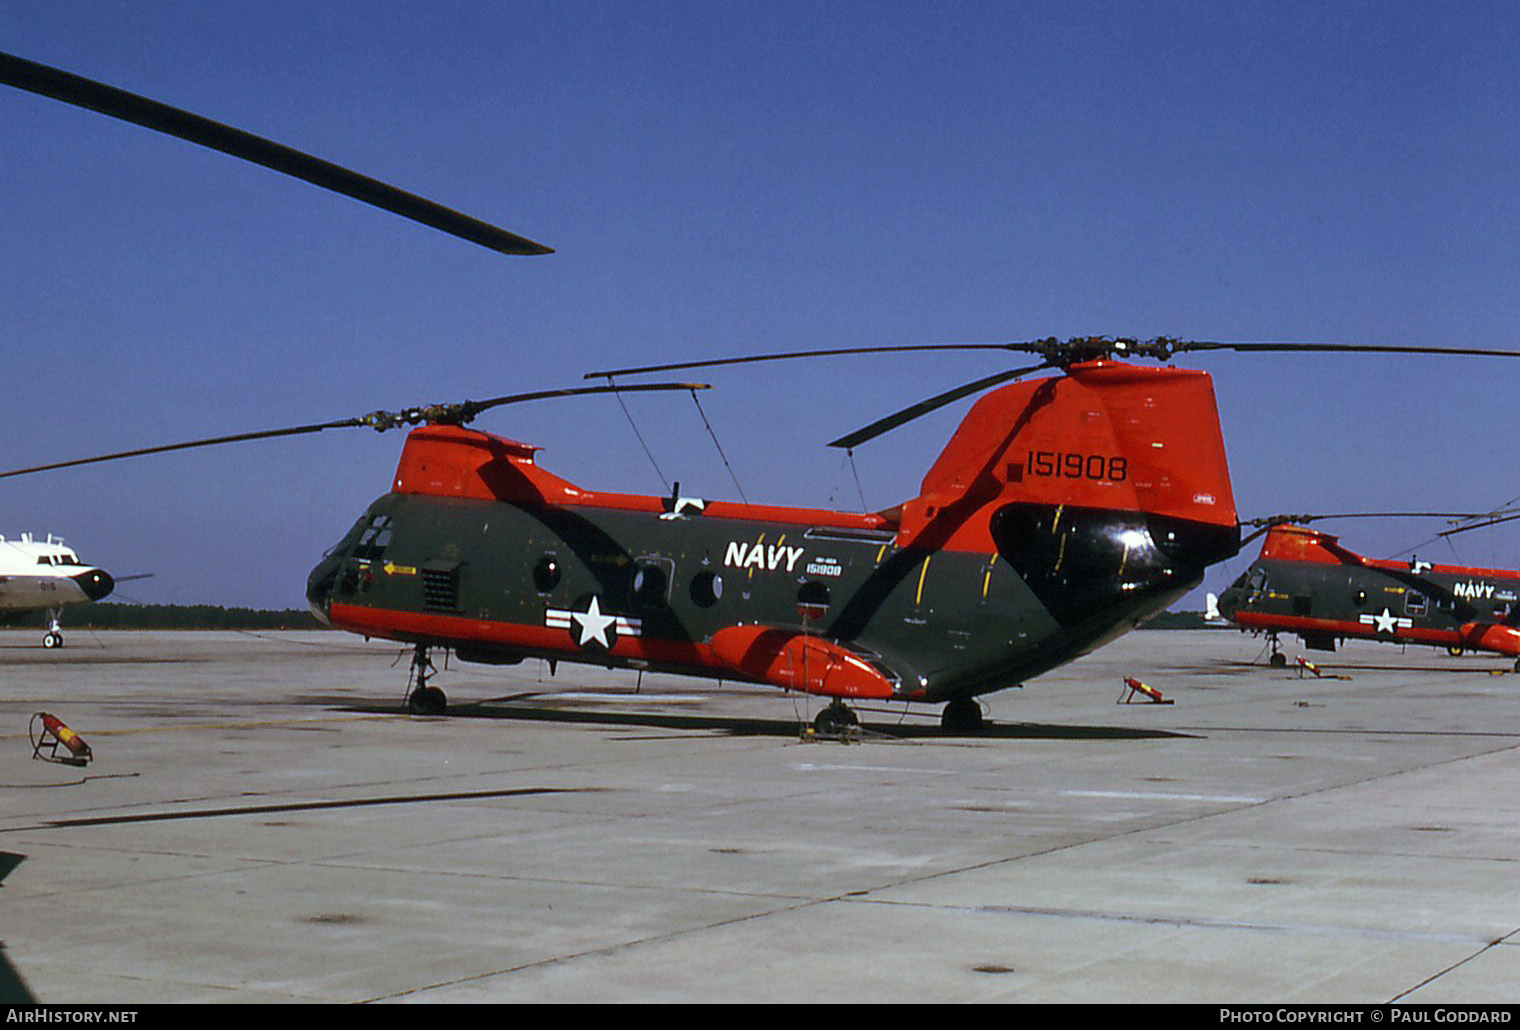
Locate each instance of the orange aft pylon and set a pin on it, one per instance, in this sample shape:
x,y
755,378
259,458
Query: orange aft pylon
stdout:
x,y
52,735
1136,687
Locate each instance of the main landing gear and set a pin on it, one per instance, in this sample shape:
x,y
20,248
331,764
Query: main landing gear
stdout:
x,y
963,715
1278,659
423,699
836,719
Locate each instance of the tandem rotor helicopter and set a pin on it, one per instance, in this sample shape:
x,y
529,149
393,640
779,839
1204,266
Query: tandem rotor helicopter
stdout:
x,y
1063,511
1308,583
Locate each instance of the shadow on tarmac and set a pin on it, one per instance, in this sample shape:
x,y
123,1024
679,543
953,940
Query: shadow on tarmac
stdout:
x,y
13,989
743,727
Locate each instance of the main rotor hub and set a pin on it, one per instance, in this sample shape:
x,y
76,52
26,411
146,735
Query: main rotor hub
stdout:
x,y
1063,353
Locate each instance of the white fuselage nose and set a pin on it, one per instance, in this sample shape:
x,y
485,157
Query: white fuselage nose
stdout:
x,y
34,574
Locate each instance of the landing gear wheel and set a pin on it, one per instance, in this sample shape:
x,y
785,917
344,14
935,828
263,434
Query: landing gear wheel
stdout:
x,y
427,701
1278,660
1455,652
837,718
52,639
1517,664
963,715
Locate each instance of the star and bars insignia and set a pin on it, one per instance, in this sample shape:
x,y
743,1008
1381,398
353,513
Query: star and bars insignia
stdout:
x,y
1387,622
592,627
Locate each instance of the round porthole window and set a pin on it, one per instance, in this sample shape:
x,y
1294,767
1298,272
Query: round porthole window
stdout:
x,y
546,574
706,588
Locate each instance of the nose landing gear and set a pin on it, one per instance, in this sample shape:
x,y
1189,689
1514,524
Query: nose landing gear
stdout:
x,y
423,699
53,638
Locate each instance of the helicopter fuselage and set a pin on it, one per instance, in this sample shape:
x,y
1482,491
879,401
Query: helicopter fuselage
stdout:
x,y
1030,545
499,582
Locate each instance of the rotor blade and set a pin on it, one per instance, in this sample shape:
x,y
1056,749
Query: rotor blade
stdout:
x,y
1494,519
1275,520
475,407
448,414
1267,522
883,425
748,359
1179,346
187,445
108,100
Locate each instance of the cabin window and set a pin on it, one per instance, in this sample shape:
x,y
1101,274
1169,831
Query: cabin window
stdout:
x,y
546,574
372,542
1414,603
650,587
1258,585
706,589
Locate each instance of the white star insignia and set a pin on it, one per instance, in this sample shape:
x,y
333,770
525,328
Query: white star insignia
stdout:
x,y
1386,623
594,625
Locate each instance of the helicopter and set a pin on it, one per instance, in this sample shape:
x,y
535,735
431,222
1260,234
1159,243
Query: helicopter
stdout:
x,y
1063,511
1306,582
45,575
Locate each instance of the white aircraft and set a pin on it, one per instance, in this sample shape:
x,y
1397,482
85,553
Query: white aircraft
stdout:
x,y
38,576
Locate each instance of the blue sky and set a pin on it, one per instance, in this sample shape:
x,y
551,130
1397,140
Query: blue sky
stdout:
x,y
726,178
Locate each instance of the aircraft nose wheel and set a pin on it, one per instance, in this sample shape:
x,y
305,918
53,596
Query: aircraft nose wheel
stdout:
x,y
52,639
424,700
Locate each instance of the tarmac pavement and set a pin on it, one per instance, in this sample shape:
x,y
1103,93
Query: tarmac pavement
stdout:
x,y
259,823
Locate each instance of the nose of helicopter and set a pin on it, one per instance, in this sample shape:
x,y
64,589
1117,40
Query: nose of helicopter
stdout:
x,y
96,583
1224,606
319,588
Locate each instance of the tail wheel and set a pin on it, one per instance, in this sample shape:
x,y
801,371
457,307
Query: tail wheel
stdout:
x,y
52,639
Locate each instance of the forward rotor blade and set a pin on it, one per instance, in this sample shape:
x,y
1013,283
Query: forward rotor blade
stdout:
x,y
883,425
475,407
791,355
187,445
1267,522
447,414
117,103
